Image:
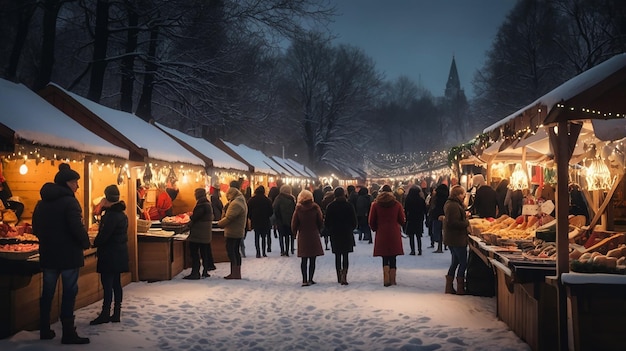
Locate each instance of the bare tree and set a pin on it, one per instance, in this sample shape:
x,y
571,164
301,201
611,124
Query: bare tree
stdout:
x,y
330,88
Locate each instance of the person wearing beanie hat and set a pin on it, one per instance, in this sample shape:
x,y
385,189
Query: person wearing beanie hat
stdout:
x,y
259,212
341,221
234,222
112,193
200,236
113,258
65,174
61,245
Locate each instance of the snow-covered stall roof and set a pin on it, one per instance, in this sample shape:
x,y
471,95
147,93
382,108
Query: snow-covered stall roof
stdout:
x,y
572,89
35,120
160,146
254,157
283,163
301,168
220,158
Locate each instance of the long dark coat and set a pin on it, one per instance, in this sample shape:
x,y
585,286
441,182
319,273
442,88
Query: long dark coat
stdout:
x,y
259,211
340,221
414,210
112,240
306,224
386,217
201,225
58,223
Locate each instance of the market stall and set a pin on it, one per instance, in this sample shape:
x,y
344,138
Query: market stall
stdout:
x,y
36,138
571,137
160,169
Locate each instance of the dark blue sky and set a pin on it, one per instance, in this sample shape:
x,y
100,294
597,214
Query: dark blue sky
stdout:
x,y
418,38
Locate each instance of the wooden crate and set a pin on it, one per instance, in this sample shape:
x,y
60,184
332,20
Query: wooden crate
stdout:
x,y
154,260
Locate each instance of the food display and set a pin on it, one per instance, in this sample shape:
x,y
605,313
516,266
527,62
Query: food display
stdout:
x,y
614,261
17,242
177,224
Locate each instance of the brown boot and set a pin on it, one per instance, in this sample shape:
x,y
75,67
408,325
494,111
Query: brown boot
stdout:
x,y
392,276
344,277
386,276
449,285
235,272
339,274
460,285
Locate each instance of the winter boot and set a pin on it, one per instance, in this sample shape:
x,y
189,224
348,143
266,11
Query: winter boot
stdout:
x,y
449,285
392,276
235,272
104,316
460,285
386,276
339,273
117,312
69,332
192,276
344,276
45,333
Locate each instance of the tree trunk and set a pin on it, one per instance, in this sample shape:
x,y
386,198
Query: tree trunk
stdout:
x,y
24,15
51,11
144,109
128,62
101,40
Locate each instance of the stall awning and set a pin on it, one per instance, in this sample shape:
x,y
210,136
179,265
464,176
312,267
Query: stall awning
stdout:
x,y
28,117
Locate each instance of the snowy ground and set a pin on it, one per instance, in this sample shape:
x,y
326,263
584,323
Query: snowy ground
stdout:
x,y
269,310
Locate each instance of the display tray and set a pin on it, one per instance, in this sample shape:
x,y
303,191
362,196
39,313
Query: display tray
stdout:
x,y
175,227
17,255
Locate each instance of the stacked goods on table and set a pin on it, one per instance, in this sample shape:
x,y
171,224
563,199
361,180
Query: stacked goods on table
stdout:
x,y
608,256
17,242
177,224
520,228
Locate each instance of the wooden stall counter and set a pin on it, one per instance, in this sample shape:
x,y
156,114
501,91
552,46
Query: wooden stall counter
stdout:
x,y
524,301
160,254
597,307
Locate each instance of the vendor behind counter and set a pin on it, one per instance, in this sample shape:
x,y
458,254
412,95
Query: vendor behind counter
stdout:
x,y
9,204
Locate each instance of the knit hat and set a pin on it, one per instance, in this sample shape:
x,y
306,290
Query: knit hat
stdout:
x,y
65,174
386,188
199,193
112,193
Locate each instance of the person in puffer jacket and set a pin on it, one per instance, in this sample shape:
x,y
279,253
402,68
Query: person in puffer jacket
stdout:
x,y
234,222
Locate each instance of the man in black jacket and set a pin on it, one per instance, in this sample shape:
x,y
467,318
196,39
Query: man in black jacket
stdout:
x,y
58,223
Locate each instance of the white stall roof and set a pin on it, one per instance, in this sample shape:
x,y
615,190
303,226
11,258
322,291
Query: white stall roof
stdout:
x,y
571,88
219,157
301,168
160,146
34,119
256,158
283,163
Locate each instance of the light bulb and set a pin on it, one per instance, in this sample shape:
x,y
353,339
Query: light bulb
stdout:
x,y
23,169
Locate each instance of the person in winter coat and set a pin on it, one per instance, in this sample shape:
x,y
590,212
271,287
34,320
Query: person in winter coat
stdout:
x,y
234,223
112,244
5,197
435,213
58,223
274,191
329,196
486,200
200,236
414,210
455,235
260,211
306,224
363,204
216,203
340,222
284,205
502,195
385,218
163,206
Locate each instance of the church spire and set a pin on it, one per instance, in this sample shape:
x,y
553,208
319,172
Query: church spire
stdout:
x,y
453,86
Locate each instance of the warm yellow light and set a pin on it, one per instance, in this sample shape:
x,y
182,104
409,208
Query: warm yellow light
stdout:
x,y
23,169
598,175
519,179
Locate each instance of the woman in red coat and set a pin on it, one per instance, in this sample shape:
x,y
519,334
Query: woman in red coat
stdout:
x,y
306,224
385,218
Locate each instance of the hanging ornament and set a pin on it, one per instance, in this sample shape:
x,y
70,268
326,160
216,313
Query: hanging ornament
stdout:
x,y
120,177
